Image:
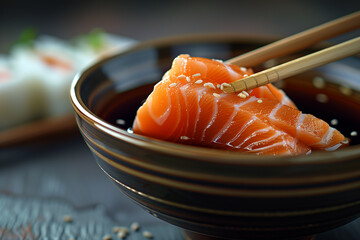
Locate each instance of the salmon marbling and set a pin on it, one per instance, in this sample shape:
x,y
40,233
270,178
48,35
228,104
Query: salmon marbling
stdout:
x,y
188,106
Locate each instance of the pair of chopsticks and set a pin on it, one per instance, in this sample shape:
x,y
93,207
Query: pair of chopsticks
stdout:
x,y
295,43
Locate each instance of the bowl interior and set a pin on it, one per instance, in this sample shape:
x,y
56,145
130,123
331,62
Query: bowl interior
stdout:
x,y
115,87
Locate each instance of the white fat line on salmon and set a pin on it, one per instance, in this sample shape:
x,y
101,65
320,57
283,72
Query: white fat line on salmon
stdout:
x,y
137,124
273,112
261,149
213,118
265,140
232,73
299,124
241,131
333,148
290,146
183,91
248,100
200,94
164,116
225,127
286,101
254,144
244,143
326,138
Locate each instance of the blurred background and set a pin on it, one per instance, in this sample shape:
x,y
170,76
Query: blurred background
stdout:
x,y
143,20
53,170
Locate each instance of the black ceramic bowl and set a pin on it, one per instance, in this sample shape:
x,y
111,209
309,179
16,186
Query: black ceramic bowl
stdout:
x,y
211,192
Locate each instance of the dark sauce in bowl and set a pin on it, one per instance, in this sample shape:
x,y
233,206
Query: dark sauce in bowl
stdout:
x,y
339,106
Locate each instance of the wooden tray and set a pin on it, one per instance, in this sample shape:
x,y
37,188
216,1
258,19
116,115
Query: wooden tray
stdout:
x,y
42,130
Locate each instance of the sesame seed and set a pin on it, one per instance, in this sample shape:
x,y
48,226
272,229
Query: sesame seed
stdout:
x,y
120,121
181,77
246,93
188,79
346,141
245,75
322,98
135,226
184,138
224,85
210,85
147,234
216,95
241,95
172,85
334,122
68,218
122,234
120,229
259,101
196,75
107,237
244,69
345,90
218,85
353,133
199,81
318,82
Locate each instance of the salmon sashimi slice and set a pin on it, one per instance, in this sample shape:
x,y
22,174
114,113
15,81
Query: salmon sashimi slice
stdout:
x,y
188,106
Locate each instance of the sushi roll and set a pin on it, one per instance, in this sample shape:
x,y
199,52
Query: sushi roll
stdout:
x,y
35,78
21,98
98,44
53,63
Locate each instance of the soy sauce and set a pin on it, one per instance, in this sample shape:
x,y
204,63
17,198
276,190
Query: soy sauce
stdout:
x,y
330,102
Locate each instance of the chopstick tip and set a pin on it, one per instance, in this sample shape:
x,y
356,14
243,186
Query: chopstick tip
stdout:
x,y
229,88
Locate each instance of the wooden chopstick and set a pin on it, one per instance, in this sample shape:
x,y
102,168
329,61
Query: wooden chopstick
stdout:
x,y
298,41
296,66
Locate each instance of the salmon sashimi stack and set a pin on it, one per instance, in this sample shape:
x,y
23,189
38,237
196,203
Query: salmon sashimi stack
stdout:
x,y
188,106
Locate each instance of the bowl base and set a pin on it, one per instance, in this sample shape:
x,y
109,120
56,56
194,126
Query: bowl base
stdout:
x,y
188,235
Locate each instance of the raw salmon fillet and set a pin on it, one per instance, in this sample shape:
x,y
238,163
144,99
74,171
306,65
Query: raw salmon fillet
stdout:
x,y
188,106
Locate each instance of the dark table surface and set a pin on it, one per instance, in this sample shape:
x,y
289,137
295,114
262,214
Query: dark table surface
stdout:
x,y
41,182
